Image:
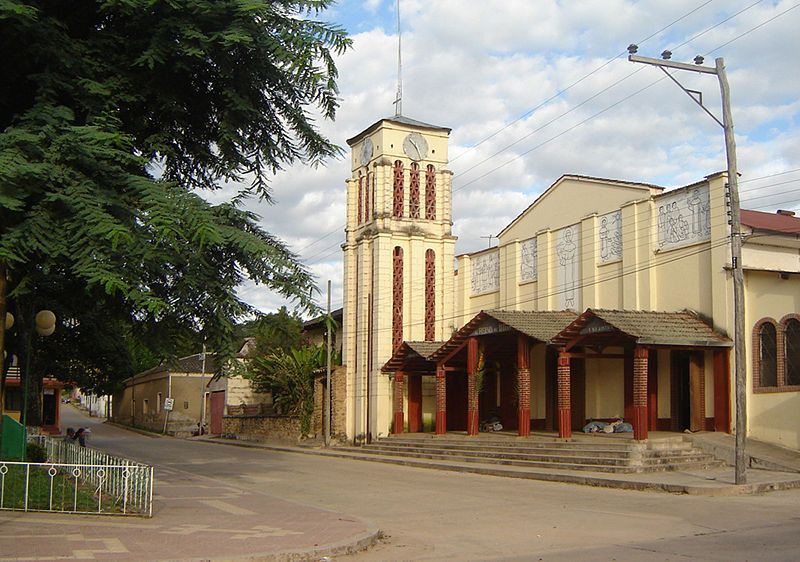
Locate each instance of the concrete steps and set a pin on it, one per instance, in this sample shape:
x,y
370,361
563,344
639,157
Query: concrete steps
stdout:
x,y
608,456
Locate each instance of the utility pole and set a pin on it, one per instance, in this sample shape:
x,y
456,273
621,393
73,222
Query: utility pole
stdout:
x,y
740,380
201,429
326,422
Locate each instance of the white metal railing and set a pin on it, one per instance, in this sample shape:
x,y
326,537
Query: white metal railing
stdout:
x,y
77,480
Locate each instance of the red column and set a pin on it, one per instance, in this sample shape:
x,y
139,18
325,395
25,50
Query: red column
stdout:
x,y
564,397
414,386
640,393
441,400
524,386
472,388
399,379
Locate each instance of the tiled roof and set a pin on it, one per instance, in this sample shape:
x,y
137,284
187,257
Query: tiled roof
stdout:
x,y
774,222
188,364
337,315
413,356
540,325
647,328
424,348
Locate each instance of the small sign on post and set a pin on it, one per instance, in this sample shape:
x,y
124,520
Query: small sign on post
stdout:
x,y
168,405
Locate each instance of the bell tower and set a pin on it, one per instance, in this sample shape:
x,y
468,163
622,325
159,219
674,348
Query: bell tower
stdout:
x,y
398,259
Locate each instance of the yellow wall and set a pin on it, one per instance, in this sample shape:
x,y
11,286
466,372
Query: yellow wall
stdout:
x,y
772,416
664,380
605,388
538,384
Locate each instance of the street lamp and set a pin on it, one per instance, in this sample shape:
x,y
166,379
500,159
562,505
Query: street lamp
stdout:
x,y
736,227
45,325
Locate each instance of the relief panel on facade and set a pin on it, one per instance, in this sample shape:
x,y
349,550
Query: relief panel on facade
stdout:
x,y
486,273
529,254
568,268
683,218
609,236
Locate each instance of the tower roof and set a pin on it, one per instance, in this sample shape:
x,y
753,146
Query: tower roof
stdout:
x,y
399,119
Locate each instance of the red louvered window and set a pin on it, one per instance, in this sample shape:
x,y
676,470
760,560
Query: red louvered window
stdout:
x,y
430,193
397,298
367,189
360,195
397,207
413,192
430,295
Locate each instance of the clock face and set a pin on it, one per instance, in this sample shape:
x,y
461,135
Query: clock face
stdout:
x,y
415,146
366,152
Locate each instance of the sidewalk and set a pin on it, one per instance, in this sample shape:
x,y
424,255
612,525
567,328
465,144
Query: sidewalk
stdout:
x,y
195,517
712,482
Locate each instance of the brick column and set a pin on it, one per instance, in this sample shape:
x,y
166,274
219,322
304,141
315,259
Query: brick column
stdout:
x,y
524,386
399,379
564,397
441,400
472,389
640,393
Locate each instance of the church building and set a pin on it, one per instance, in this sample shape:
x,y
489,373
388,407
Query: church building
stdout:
x,y
604,299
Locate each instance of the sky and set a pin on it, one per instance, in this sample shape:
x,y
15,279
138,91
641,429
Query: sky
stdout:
x,y
535,89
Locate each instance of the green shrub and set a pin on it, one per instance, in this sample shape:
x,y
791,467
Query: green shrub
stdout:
x,y
35,453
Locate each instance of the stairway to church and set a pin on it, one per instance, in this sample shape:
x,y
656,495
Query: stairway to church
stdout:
x,y
596,455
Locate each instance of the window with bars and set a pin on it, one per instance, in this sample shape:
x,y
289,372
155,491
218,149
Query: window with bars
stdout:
x,y
767,355
398,199
430,295
430,193
791,351
776,349
413,192
397,298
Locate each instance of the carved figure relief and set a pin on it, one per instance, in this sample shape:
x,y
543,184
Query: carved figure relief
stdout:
x,y
609,234
486,273
684,218
568,252
529,250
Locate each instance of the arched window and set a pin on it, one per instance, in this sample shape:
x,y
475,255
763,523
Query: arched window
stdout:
x,y
430,193
397,207
360,195
367,189
791,351
397,298
413,192
430,295
767,358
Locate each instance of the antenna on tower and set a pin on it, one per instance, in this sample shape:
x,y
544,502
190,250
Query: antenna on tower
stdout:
x,y
398,101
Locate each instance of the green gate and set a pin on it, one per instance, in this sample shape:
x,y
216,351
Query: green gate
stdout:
x,y
12,446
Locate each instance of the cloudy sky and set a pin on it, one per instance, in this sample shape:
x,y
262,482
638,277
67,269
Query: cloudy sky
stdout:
x,y
534,89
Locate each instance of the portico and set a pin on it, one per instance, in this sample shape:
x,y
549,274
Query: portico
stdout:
x,y
554,370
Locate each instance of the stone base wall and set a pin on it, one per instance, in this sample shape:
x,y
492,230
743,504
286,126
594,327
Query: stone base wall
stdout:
x,y
338,405
285,429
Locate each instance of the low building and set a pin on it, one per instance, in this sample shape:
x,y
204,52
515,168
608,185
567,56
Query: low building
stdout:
x,y
142,400
229,394
50,400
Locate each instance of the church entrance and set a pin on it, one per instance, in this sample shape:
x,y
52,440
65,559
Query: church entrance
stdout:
x,y
688,391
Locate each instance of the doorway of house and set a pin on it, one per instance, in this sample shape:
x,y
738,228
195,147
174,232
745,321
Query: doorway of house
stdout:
x,y
687,389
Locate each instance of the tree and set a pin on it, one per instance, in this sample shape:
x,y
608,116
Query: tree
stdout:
x,y
289,376
114,113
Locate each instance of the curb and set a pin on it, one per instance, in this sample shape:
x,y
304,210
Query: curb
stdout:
x,y
342,548
585,480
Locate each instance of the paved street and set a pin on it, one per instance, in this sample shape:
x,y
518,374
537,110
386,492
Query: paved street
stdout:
x,y
426,515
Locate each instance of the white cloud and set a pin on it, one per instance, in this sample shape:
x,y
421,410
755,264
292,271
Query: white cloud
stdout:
x,y
478,66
